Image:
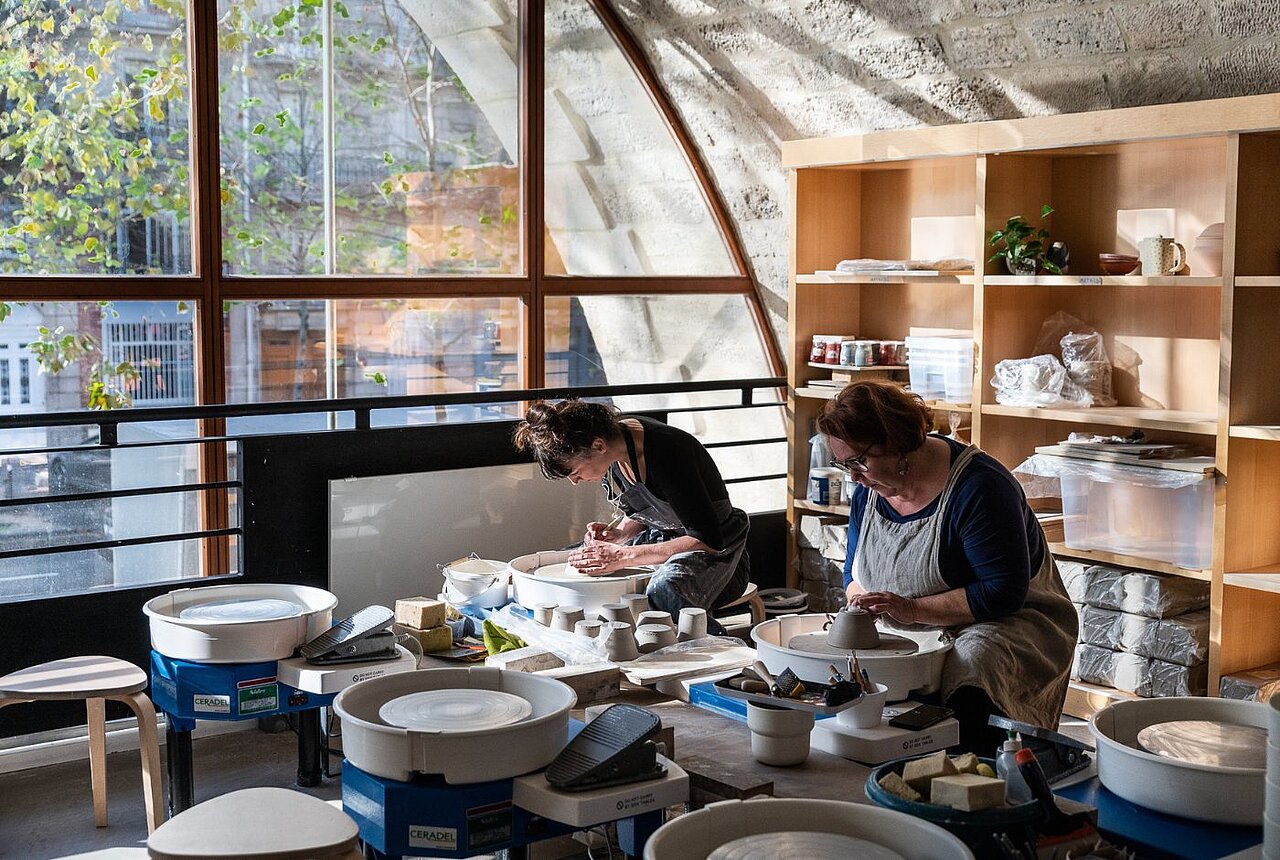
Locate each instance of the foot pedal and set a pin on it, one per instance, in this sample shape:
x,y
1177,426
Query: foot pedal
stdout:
x,y
613,749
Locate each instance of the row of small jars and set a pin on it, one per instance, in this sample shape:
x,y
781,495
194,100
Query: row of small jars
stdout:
x,y
850,352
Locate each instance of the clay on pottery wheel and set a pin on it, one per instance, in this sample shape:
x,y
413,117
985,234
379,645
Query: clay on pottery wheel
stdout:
x,y
853,629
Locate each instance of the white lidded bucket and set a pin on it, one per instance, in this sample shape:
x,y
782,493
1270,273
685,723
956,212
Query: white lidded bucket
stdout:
x,y
225,638
695,835
475,581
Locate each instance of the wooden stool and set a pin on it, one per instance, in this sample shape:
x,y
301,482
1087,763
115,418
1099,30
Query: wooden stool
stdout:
x,y
750,597
96,679
274,823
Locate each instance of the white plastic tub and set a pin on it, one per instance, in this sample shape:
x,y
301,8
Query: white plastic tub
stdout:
x,y
237,641
531,587
1222,795
941,368
398,753
695,835
904,675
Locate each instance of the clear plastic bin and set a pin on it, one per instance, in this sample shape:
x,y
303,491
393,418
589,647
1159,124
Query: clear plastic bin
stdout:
x,y
1116,509
941,368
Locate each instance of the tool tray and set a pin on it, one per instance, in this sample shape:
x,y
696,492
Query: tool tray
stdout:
x,y
812,700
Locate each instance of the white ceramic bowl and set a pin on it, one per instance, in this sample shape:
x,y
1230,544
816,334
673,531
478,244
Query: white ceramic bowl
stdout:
x,y
235,640
868,713
695,835
1223,795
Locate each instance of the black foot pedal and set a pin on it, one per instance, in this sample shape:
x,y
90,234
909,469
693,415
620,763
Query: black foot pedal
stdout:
x,y
614,749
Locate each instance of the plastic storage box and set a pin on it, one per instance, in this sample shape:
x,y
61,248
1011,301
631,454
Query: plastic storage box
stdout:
x,y
1136,511
941,368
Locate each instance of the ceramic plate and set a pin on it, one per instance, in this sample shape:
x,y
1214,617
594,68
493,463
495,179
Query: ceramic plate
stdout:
x,y
1206,742
455,710
801,845
243,609
891,645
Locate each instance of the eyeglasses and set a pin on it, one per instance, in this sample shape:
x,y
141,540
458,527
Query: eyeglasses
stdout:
x,y
852,464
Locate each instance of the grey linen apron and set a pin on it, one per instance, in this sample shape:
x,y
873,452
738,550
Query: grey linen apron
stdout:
x,y
693,578
1022,661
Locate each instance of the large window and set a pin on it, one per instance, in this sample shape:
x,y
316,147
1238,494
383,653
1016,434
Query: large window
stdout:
x,y
258,201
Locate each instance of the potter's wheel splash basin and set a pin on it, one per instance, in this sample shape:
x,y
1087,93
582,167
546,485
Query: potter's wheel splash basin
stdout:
x,y
546,577
734,829
1205,792
239,623
467,724
907,662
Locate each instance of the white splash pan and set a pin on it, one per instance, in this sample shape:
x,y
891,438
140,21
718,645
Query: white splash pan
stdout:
x,y
904,675
461,757
695,835
237,641
590,593
1222,795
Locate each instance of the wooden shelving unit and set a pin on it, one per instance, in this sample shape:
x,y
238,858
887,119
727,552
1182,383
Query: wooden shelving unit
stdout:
x,y
1194,356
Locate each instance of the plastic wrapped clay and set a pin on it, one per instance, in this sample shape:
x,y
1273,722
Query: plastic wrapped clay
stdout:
x,y
1072,573
1251,685
918,772
895,785
967,791
420,613
1104,586
1160,595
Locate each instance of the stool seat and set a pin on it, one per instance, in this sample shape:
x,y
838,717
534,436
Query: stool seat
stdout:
x,y
751,598
94,680
257,824
74,678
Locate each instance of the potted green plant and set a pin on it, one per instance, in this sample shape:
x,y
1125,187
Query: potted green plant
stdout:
x,y
1024,248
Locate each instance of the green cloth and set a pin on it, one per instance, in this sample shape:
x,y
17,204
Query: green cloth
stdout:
x,y
497,640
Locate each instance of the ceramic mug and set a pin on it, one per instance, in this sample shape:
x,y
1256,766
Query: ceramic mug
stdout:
x,y
1161,255
693,623
564,617
616,612
543,613
620,642
651,637
654,616
637,603
589,627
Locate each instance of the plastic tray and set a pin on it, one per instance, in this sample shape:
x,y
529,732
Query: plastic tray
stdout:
x,y
779,702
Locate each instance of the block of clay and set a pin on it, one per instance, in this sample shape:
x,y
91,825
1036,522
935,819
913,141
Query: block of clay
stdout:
x,y
432,639
894,784
967,791
421,613
530,658
967,763
918,772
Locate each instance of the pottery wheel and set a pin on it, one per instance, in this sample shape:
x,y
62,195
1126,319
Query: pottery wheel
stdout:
x,y
1206,742
463,710
891,645
571,573
801,845
243,609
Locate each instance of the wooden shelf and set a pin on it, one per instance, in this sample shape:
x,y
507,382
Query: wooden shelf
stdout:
x,y
1172,420
1131,561
1264,432
856,368
1259,579
1098,281
882,278
1258,281
1085,699
824,392
814,507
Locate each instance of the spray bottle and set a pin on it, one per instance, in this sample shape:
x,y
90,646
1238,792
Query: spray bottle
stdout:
x,y
1015,786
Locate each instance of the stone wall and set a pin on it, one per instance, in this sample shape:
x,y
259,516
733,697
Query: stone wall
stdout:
x,y
748,74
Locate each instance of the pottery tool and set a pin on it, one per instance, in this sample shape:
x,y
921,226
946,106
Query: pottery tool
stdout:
x,y
789,685
763,671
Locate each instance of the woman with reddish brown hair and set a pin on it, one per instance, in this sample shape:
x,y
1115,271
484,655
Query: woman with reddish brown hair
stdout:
x,y
941,538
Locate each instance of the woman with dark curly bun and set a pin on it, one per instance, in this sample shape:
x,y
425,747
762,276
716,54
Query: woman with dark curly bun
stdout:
x,y
674,504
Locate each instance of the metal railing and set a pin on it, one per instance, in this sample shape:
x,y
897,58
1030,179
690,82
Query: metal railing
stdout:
x,y
209,423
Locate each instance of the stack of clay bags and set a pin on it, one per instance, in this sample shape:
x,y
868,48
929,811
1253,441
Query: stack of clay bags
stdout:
x,y
820,561
1140,632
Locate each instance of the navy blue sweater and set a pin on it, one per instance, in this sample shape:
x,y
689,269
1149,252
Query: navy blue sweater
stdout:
x,y
991,542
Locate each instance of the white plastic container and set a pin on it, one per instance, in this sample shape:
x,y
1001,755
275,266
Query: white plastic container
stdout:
x,y
1222,795
1121,509
941,368
695,835
237,641
1016,790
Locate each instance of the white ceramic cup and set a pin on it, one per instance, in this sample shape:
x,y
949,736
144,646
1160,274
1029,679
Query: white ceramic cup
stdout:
x,y
693,623
544,612
620,642
868,712
564,617
651,637
1161,255
588,627
654,616
779,736
637,603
